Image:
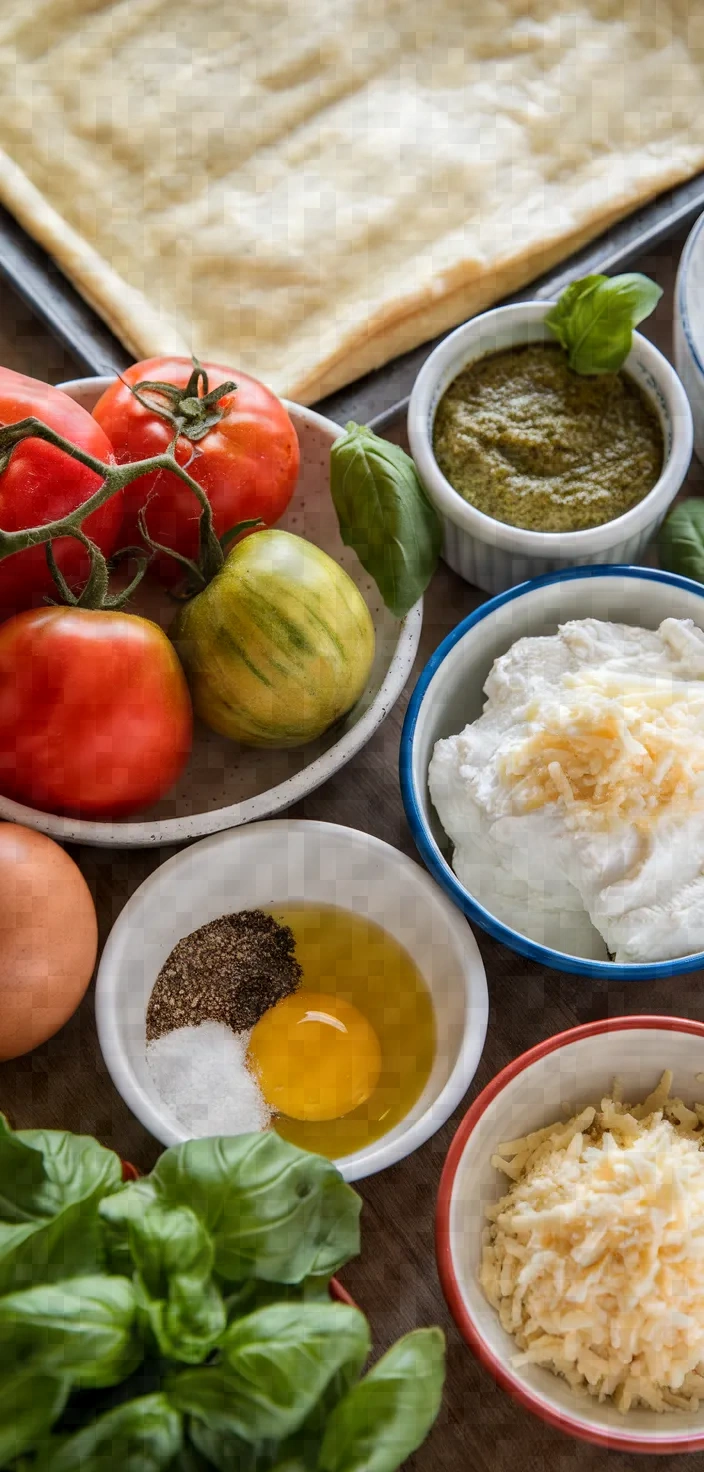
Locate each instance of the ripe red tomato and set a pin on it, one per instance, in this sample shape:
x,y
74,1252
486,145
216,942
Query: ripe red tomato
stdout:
x,y
95,715
247,463
42,483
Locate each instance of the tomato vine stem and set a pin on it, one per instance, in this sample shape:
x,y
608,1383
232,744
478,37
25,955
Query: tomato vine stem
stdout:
x,y
114,479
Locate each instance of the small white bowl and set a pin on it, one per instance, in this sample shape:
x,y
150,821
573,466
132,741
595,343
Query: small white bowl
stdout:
x,y
575,1068
450,693
493,555
225,784
689,328
294,862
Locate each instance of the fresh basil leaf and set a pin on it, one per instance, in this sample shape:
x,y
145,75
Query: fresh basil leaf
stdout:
x,y
559,317
30,1403
306,1343
173,1256
188,1323
389,1413
141,1435
337,1228
76,1168
275,1365
681,541
116,1212
22,1178
222,1450
594,318
190,1460
85,1328
634,293
64,1239
273,1211
256,1293
385,515
65,1246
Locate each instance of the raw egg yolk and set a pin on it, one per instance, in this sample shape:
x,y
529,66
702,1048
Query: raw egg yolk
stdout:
x,y
316,1056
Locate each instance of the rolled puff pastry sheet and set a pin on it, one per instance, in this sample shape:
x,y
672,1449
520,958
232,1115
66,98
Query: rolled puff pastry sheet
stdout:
x,y
305,188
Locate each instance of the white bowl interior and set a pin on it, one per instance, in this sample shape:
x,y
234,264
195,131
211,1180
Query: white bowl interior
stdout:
x,y
290,863
578,1074
224,783
455,695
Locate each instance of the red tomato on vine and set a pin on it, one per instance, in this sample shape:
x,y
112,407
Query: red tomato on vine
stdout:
x,y
240,446
41,483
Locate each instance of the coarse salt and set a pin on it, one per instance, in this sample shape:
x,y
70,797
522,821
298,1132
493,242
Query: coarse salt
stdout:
x,y
202,1076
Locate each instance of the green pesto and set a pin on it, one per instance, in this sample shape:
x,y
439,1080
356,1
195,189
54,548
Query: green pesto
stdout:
x,y
528,441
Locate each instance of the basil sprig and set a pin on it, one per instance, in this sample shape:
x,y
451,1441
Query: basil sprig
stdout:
x,y
681,541
594,318
184,1320
385,515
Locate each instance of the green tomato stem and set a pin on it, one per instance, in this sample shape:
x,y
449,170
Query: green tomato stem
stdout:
x,y
114,479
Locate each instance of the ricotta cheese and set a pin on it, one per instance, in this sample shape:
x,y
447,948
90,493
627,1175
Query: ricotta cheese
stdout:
x,y
594,1260
575,802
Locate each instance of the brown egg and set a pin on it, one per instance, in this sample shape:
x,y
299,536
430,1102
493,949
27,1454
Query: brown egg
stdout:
x,y
48,938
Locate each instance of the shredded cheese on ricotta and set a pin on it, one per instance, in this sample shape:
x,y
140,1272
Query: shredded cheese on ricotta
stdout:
x,y
612,748
594,1260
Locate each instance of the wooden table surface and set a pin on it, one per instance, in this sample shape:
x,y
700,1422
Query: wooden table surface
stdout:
x,y
65,1085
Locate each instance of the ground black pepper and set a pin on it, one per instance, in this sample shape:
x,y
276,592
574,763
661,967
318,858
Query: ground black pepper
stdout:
x,y
231,970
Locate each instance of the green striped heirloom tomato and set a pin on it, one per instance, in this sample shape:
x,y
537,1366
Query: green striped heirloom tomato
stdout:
x,y
278,646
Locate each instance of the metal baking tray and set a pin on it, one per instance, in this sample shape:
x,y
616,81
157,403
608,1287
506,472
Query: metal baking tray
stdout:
x,y
380,397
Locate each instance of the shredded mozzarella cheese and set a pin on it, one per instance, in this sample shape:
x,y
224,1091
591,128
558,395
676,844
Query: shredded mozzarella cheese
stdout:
x,y
613,748
594,1260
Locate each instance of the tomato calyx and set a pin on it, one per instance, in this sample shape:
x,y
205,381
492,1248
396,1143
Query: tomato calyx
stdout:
x,y
191,411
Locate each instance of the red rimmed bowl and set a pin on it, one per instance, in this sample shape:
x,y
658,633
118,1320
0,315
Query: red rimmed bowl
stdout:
x,y
571,1070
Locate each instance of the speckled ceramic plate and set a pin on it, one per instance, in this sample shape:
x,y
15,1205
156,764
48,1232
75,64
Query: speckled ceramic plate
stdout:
x,y
226,784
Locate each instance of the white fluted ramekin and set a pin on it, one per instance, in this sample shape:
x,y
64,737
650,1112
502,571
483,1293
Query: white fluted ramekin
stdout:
x,y
493,555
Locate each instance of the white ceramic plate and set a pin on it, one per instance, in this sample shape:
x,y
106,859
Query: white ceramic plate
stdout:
x,y
226,784
294,862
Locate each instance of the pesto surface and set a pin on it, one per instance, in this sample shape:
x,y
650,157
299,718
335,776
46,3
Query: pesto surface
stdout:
x,y
528,441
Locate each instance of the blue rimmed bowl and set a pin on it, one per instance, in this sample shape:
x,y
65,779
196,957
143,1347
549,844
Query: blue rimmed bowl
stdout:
x,y
450,693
